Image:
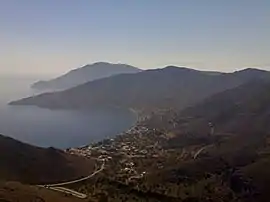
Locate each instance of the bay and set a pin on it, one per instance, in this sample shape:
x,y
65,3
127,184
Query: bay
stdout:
x,y
56,128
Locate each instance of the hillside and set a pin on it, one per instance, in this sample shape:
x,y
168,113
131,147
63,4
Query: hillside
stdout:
x,y
229,163
230,111
236,156
170,87
17,192
85,74
30,164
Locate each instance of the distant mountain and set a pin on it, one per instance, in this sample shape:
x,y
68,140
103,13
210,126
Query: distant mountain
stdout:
x,y
170,87
30,164
85,74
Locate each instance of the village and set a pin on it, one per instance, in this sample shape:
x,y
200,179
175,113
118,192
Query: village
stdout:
x,y
125,154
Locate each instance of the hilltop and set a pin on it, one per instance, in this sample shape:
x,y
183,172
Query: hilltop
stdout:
x,y
85,74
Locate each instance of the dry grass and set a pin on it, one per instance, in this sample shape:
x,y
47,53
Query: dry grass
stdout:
x,y
16,192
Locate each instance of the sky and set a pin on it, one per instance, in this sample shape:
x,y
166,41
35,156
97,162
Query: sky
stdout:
x,y
53,36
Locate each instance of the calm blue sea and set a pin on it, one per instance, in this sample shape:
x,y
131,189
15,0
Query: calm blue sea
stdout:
x,y
56,128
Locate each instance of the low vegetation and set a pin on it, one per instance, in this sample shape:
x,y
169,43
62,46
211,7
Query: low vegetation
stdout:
x,y
29,164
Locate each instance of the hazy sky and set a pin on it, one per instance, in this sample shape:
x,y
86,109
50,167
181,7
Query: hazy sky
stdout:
x,y
53,36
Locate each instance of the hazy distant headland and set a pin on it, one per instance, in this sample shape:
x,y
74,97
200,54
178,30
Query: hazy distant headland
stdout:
x,y
85,74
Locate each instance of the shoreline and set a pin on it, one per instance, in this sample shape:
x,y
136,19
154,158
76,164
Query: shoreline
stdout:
x,y
127,119
137,115
135,112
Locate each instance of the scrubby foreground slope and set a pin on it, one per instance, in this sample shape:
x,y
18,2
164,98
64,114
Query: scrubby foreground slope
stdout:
x,y
29,164
17,192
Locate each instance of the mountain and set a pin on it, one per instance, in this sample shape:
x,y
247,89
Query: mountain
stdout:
x,y
233,110
30,164
84,74
229,111
170,87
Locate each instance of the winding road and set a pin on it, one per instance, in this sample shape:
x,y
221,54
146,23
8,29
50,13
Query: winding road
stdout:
x,y
78,180
201,150
69,191
58,187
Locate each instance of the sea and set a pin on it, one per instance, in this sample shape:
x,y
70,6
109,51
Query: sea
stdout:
x,y
55,128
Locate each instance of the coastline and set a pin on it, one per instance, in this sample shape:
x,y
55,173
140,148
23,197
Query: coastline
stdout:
x,y
136,113
109,124
138,118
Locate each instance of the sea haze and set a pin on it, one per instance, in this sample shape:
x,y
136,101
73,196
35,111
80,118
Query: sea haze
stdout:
x,y
56,128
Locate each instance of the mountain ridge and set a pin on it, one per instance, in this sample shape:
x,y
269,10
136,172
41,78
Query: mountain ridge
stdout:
x,y
156,88
85,74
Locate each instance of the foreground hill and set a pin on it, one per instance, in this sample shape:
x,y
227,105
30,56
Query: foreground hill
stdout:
x,y
29,164
16,192
85,74
171,87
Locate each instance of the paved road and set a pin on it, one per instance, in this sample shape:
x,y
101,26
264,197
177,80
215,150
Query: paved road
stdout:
x,y
183,153
201,150
57,187
78,180
69,191
135,177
